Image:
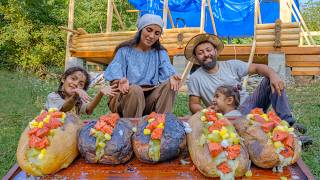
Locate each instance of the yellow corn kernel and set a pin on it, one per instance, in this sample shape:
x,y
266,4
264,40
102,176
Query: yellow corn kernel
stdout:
x,y
232,135
278,144
150,120
107,136
223,131
248,173
236,140
52,110
203,118
40,125
63,115
160,125
225,136
46,120
265,117
204,110
146,131
33,124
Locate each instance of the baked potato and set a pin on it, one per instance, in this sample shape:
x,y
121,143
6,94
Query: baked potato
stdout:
x,y
215,147
49,143
106,141
269,140
159,137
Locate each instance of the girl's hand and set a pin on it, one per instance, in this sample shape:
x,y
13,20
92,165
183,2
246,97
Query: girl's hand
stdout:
x,y
83,95
175,81
123,85
109,90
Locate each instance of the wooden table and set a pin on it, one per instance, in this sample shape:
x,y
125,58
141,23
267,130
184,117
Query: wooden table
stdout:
x,y
134,169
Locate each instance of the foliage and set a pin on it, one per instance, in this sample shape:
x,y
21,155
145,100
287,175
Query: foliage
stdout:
x,y
29,34
310,12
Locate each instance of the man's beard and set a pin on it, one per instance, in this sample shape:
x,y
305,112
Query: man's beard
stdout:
x,y
210,65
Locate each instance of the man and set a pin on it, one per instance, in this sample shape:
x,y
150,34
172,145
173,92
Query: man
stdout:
x,y
204,49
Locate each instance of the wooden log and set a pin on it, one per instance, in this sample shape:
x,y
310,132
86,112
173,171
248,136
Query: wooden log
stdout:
x,y
272,37
212,18
283,31
109,16
302,58
70,26
96,44
272,25
303,71
170,18
165,13
123,27
252,52
203,15
283,43
97,39
303,64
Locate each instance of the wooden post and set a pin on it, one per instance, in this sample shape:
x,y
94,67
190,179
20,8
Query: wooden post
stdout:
x,y
302,30
123,27
212,18
302,21
165,13
203,14
109,16
259,13
285,13
170,18
70,26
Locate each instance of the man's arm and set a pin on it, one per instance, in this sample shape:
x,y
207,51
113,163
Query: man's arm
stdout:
x,y
263,70
194,104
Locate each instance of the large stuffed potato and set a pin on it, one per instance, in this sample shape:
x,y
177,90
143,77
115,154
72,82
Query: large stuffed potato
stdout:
x,y
49,143
270,142
106,141
215,148
159,137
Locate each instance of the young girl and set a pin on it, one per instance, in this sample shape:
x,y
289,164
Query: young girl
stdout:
x,y
72,96
226,101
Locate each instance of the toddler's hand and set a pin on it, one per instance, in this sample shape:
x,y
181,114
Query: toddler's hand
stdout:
x,y
83,95
123,85
109,90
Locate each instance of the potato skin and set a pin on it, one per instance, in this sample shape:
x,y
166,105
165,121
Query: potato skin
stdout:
x,y
200,155
173,140
117,150
262,153
60,153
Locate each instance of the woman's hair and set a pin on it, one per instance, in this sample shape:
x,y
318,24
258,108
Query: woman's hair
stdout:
x,y
69,72
133,42
231,91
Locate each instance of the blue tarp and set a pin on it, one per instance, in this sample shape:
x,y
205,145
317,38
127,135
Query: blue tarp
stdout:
x,y
233,18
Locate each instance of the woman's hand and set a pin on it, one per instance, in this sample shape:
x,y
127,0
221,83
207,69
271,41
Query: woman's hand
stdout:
x,y
82,94
109,90
175,81
123,85
276,84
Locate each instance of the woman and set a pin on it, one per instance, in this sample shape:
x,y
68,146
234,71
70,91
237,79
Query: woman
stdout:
x,y
142,69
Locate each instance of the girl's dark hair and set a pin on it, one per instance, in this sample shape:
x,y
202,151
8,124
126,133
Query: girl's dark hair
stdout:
x,y
64,76
133,42
231,91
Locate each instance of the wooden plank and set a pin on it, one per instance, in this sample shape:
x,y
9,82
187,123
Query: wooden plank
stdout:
x,y
272,25
272,37
303,71
303,63
109,16
283,31
173,169
202,16
70,26
303,58
283,43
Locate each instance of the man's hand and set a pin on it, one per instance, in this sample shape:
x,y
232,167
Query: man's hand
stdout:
x,y
175,81
123,85
276,84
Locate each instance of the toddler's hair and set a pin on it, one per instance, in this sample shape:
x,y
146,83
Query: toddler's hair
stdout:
x,y
70,71
230,91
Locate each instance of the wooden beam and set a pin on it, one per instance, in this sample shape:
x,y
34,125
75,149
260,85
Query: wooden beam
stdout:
x,y
302,58
252,52
285,13
203,15
303,71
212,18
283,25
70,26
165,13
170,18
109,16
123,27
302,21
303,64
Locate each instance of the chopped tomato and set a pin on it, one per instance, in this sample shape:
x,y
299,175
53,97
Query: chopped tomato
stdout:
x,y
274,117
151,115
41,116
233,151
211,116
215,149
161,118
33,131
56,114
257,111
39,143
287,152
218,125
258,118
53,123
152,125
157,133
289,141
224,167
279,135
107,129
267,126
42,132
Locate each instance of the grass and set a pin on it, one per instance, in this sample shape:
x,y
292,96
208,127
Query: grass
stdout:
x,y
22,97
